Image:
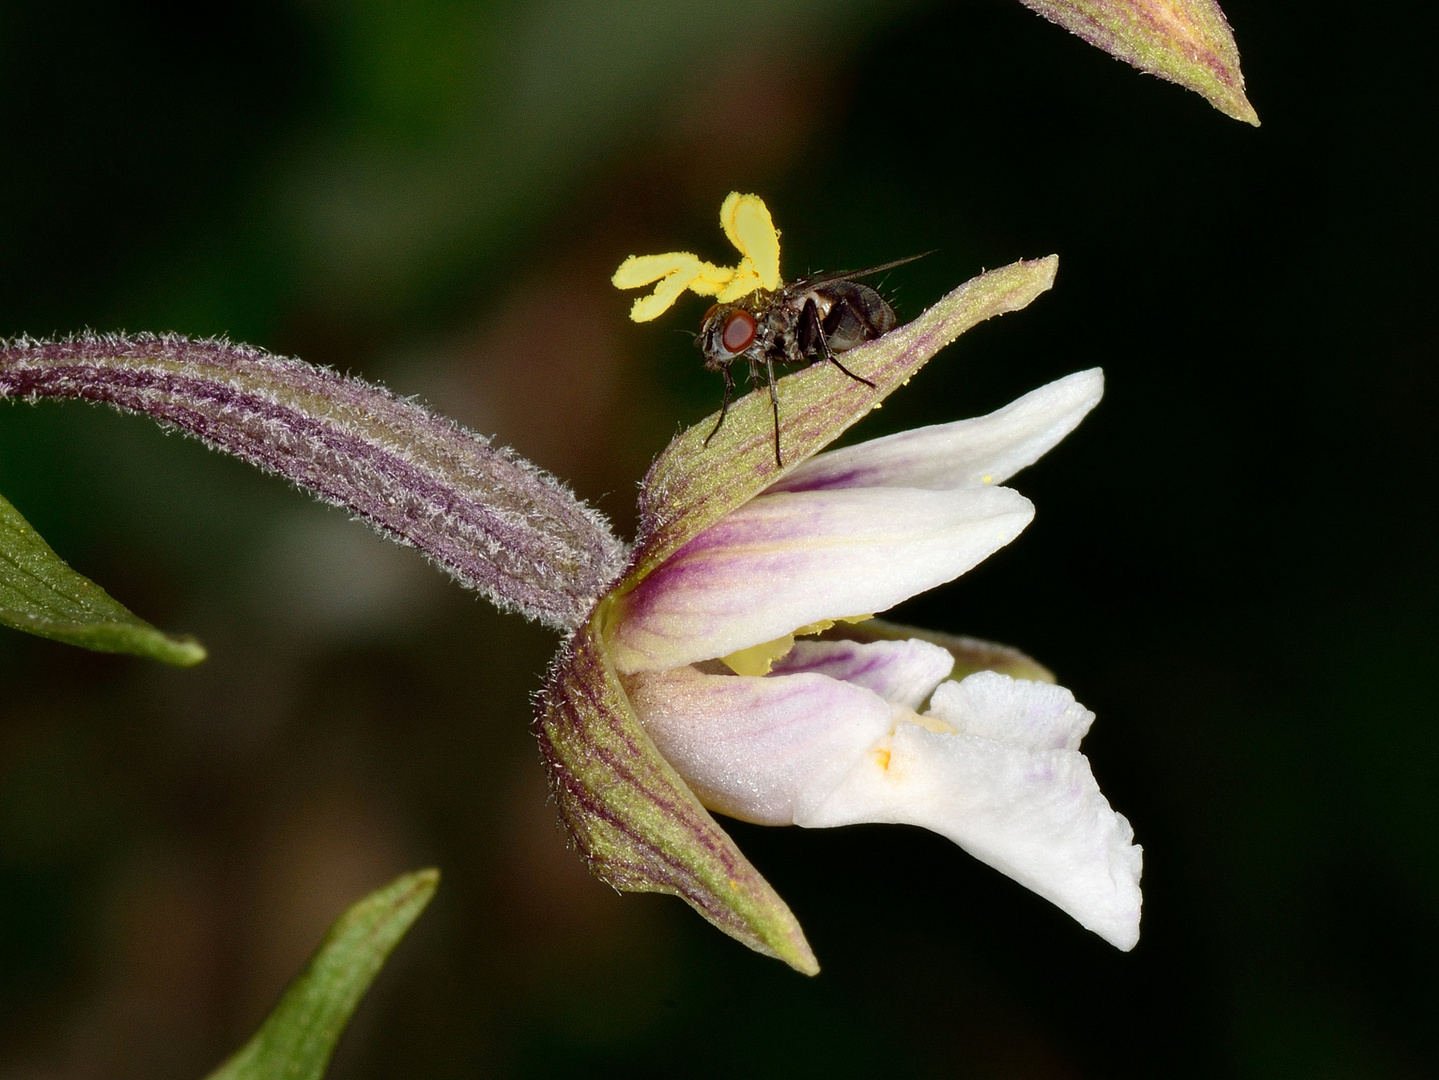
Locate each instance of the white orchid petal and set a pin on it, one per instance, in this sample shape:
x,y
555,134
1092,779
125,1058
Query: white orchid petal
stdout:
x,y
984,450
902,672
1038,716
791,559
751,747
1036,815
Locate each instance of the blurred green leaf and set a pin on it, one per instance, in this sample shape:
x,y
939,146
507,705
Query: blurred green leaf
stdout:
x,y
41,595
299,1036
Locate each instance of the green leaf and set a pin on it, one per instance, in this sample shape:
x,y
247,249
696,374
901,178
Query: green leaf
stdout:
x,y
41,595
298,1038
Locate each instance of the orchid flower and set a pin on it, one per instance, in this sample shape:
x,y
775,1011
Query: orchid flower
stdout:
x,y
686,690
868,722
726,661
838,731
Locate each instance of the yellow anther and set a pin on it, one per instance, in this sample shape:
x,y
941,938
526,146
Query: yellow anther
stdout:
x,y
675,272
746,221
760,659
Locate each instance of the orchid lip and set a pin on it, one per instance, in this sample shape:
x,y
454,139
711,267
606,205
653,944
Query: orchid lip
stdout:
x,y
994,765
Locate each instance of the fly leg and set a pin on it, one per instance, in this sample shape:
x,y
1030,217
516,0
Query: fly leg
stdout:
x,y
812,330
774,403
773,397
724,409
831,358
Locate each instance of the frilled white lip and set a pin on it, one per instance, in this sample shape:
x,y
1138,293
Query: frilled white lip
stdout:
x,y
832,737
850,532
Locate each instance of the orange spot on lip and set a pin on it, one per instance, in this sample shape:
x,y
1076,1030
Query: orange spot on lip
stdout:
x,y
882,756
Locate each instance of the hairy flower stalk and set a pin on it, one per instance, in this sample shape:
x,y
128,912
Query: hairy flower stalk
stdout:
x,y
489,518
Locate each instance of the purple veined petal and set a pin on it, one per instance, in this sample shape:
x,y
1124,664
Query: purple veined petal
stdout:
x,y
791,559
902,672
984,450
753,748
1036,816
1037,716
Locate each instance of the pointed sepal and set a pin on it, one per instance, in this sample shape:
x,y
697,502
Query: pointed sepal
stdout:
x,y
1185,41
635,821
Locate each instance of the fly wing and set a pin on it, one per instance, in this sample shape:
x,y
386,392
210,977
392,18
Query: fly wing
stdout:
x,y
840,275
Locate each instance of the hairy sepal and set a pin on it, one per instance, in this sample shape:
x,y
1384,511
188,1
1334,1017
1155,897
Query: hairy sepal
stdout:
x,y
488,517
1185,41
636,822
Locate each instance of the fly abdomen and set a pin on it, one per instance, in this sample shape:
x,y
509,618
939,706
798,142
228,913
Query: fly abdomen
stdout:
x,y
856,314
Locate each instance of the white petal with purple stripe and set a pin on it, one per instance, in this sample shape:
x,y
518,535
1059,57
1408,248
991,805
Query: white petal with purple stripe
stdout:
x,y
901,672
755,748
790,559
981,451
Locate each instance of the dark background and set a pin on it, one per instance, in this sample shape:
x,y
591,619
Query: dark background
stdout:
x,y
1233,563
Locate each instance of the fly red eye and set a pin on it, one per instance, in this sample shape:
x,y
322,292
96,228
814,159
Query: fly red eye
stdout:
x,y
739,331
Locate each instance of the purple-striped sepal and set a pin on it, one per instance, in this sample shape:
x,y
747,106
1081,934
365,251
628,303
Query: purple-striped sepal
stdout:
x,y
1185,41
636,822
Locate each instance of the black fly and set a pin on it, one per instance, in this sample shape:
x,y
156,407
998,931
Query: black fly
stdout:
x,y
806,321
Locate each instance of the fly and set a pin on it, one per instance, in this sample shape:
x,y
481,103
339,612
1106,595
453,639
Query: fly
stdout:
x,y
809,320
